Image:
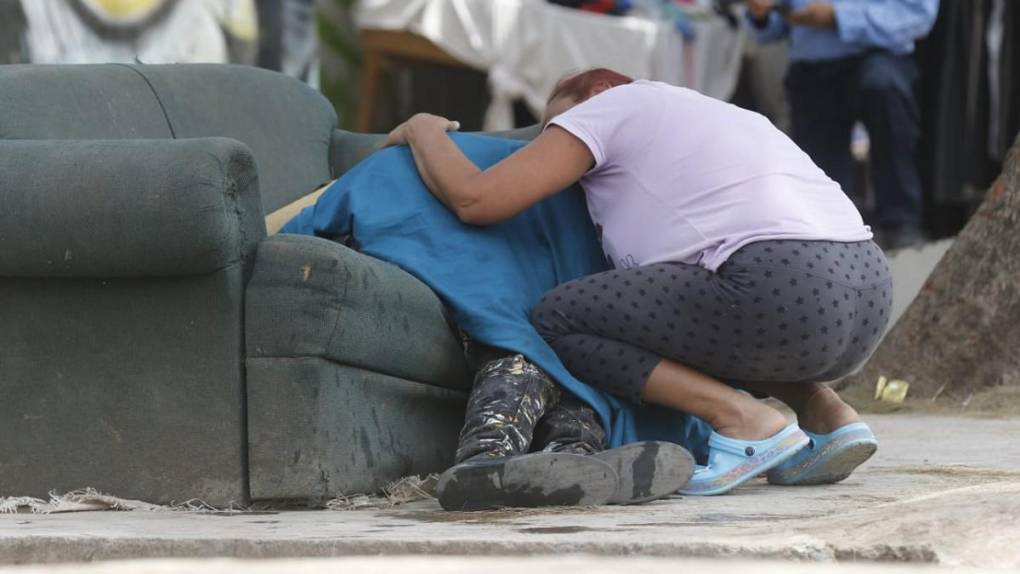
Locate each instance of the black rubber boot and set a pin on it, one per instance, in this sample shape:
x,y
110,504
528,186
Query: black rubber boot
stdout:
x,y
509,396
570,426
647,470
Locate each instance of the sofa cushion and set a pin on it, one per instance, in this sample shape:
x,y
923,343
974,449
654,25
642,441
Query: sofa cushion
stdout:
x,y
287,124
310,297
103,101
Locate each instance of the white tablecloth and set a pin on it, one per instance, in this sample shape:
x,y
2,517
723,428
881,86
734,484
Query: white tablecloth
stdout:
x,y
525,46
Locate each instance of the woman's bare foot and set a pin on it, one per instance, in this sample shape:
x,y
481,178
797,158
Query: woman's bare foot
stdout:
x,y
748,419
819,409
824,411
731,413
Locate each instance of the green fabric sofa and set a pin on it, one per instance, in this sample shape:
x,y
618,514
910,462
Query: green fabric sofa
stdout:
x,y
154,343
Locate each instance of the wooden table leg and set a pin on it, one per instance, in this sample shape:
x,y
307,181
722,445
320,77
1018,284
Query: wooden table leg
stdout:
x,y
370,72
379,47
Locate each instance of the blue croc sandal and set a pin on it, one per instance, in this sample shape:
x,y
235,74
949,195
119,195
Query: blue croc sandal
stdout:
x,y
828,458
732,462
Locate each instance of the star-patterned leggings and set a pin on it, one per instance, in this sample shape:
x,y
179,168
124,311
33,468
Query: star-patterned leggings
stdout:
x,y
776,311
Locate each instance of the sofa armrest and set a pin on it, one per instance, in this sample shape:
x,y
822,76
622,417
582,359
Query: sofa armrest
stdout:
x,y
126,208
311,297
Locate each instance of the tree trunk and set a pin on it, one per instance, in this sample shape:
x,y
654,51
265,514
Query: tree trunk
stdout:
x,y
962,332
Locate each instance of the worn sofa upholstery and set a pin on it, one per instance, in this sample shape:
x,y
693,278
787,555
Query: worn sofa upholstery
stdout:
x,y
154,344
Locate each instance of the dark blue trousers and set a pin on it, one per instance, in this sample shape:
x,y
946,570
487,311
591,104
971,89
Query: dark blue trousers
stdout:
x,y
877,88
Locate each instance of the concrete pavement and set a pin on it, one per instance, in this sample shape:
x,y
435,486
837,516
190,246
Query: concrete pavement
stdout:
x,y
940,490
474,565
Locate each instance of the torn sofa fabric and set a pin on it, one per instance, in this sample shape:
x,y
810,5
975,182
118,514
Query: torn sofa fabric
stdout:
x,y
489,277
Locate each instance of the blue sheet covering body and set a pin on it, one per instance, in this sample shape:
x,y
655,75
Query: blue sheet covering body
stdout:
x,y
489,277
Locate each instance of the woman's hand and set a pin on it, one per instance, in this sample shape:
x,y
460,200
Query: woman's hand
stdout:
x,y
419,123
550,163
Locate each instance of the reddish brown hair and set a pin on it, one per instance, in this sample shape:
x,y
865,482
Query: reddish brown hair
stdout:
x,y
578,86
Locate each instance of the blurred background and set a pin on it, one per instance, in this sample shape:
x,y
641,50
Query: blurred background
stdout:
x,y
491,63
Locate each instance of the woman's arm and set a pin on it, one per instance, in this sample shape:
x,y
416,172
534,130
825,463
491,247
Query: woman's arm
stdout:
x,y
552,162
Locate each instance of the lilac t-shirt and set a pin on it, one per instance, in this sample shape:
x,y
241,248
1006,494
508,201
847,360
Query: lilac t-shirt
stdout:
x,y
683,177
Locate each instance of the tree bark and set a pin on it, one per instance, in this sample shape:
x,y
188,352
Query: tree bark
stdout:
x,y
962,332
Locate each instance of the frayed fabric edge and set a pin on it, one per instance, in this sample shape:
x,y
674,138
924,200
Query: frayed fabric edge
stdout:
x,y
90,499
400,491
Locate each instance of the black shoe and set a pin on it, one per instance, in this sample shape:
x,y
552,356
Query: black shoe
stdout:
x,y
528,481
648,470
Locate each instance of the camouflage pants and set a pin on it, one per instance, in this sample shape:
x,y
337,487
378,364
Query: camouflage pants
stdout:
x,y
514,408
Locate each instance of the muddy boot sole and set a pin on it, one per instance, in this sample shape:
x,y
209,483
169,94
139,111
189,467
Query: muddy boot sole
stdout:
x,y
648,470
527,481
